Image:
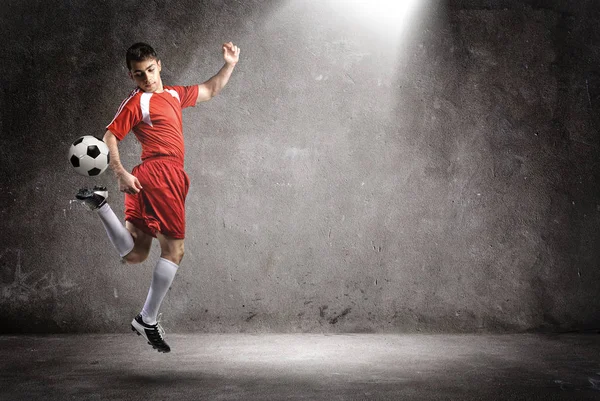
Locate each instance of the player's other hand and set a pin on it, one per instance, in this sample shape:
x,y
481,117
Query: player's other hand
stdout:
x,y
128,183
231,53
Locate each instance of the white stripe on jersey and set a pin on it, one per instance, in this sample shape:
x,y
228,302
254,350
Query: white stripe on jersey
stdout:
x,y
174,94
123,103
145,105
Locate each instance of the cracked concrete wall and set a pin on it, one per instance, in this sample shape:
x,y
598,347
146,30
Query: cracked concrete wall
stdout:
x,y
342,181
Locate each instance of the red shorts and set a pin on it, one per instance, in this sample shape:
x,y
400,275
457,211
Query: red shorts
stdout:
x,y
160,205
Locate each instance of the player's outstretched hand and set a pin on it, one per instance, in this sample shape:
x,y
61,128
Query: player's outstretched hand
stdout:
x,y
231,53
128,183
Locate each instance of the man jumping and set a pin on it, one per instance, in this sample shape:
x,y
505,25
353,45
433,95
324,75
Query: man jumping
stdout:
x,y
156,189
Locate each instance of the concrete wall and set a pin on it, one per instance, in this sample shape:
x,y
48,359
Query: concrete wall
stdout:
x,y
342,181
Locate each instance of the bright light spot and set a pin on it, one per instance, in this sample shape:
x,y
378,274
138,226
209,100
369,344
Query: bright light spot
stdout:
x,y
391,17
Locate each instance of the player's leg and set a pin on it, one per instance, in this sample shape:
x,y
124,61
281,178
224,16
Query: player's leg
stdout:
x,y
120,237
171,248
132,243
164,272
141,246
164,199
162,278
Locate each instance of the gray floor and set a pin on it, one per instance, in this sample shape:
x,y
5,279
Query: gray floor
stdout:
x,y
302,367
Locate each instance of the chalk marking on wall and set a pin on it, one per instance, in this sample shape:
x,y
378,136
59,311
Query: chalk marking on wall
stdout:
x,y
24,285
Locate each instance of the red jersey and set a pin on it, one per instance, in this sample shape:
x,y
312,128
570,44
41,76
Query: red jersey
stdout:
x,y
155,119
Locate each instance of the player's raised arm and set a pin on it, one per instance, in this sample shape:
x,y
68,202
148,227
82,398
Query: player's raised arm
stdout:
x,y
127,182
210,88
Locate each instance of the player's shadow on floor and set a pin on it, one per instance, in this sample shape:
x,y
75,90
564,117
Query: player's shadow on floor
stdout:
x,y
191,385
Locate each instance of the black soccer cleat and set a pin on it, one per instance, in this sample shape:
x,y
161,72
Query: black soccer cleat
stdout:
x,y
153,333
93,198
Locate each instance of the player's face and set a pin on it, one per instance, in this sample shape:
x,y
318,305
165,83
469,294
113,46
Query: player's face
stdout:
x,y
146,75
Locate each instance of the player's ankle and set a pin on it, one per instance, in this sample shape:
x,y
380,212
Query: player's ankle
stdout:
x,y
148,319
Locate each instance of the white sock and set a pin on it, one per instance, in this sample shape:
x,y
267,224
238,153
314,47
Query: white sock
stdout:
x,y
164,273
119,236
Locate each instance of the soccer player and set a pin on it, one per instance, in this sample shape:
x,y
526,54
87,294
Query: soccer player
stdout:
x,y
156,189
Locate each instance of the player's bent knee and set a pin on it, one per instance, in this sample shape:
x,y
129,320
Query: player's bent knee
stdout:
x,y
172,249
134,257
173,256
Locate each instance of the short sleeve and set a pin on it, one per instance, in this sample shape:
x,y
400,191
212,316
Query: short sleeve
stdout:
x,y
127,117
187,94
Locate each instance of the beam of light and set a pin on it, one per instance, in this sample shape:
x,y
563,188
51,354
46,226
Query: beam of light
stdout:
x,y
392,18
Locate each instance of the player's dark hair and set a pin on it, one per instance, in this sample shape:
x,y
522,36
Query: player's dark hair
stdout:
x,y
139,52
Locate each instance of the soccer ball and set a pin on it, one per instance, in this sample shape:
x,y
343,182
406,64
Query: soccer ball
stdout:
x,y
89,156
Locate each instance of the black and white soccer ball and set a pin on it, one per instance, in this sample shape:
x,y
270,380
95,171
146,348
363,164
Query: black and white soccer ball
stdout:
x,y
89,156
